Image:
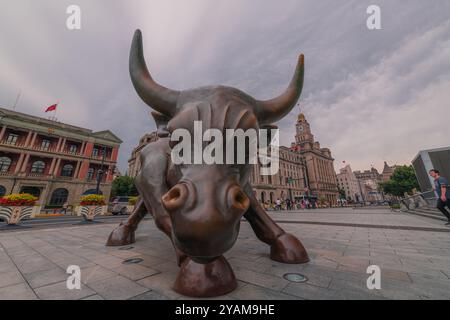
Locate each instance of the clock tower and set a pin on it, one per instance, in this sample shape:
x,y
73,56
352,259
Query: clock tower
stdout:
x,y
303,132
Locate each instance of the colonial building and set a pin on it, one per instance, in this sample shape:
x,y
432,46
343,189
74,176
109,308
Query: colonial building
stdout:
x,y
369,181
288,183
54,161
321,177
134,163
348,182
305,170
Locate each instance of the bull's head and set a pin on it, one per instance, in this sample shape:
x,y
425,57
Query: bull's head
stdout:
x,y
207,203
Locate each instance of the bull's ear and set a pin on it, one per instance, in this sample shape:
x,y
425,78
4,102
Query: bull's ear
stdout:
x,y
161,124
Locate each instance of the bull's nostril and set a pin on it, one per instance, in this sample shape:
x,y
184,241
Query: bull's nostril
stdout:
x,y
175,198
239,200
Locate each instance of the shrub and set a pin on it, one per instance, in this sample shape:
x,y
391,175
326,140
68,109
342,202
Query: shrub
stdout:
x,y
22,199
132,201
92,200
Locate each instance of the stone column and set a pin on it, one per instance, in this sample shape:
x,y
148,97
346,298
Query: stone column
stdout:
x,y
77,169
58,144
27,140
25,163
55,170
19,163
52,166
2,132
33,140
63,144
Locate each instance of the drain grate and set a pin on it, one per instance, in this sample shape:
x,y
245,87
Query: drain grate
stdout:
x,y
295,277
126,248
132,261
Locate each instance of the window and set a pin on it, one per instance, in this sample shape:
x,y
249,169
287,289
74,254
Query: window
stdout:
x,y
73,148
5,163
38,167
12,138
67,170
90,174
35,191
45,144
95,152
2,191
59,197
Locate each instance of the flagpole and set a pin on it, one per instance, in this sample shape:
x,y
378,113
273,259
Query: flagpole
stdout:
x,y
17,100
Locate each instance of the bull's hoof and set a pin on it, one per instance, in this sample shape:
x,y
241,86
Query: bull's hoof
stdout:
x,y
288,249
121,236
205,280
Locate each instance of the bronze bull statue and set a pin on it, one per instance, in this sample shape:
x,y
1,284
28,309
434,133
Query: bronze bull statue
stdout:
x,y
199,206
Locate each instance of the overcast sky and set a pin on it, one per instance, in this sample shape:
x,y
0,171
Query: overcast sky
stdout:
x,y
370,96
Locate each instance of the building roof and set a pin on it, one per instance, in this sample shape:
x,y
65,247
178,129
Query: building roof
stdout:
x,y
23,120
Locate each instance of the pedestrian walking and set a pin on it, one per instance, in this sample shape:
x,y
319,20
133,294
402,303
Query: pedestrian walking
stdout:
x,y
442,190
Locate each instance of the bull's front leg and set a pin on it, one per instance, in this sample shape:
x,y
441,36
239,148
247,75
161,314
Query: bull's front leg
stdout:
x,y
284,247
124,233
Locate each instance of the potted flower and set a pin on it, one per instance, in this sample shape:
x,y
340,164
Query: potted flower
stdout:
x,y
91,206
131,203
15,207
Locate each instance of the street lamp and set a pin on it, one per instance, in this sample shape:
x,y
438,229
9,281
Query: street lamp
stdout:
x,y
100,172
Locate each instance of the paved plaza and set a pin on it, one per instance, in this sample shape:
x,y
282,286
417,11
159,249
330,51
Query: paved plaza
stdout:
x,y
413,253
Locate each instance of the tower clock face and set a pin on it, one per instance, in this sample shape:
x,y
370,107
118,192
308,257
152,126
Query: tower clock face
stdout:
x,y
300,128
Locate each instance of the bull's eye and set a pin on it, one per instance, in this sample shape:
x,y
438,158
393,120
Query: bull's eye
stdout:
x,y
175,198
238,200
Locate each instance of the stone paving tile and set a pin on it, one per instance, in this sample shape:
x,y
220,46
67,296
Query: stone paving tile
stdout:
x,y
250,292
10,277
41,278
150,295
117,288
162,284
20,291
59,291
93,297
414,264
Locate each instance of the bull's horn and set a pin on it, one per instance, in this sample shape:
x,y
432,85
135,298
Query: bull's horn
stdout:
x,y
156,96
273,110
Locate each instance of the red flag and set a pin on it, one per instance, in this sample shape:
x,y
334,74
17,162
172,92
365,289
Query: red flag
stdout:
x,y
51,108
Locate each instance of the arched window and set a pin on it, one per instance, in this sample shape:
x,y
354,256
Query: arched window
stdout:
x,y
5,163
67,170
2,191
38,167
263,197
35,191
59,197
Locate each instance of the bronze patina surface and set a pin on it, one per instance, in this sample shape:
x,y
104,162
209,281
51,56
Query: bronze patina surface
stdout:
x,y
200,206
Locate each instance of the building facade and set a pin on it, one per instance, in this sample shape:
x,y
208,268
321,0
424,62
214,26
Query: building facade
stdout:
x,y
426,160
320,174
369,182
288,183
54,161
348,182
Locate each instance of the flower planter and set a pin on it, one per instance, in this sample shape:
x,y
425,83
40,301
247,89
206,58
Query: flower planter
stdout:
x,y
12,215
90,212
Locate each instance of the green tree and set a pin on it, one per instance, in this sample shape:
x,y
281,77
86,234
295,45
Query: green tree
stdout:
x,y
123,186
402,180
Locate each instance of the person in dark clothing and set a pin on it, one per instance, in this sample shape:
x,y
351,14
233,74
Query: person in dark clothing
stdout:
x,y
442,190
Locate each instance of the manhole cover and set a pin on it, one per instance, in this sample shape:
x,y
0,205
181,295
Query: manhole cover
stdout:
x,y
126,248
295,277
132,261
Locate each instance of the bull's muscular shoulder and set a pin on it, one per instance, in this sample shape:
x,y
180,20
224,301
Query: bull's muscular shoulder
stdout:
x,y
155,151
